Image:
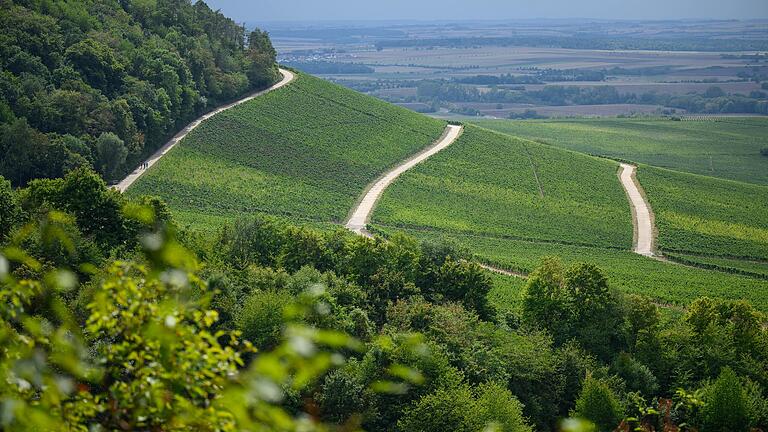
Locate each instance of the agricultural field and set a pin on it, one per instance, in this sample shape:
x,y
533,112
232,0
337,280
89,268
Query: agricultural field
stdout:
x,y
707,216
500,111
757,269
305,151
488,183
668,283
482,194
728,148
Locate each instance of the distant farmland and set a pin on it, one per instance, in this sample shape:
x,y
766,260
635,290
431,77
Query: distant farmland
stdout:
x,y
728,149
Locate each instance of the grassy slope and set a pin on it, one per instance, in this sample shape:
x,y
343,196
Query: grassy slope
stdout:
x,y
727,149
305,151
706,215
480,193
485,184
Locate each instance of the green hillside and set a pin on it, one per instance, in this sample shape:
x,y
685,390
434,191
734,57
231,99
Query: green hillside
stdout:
x,y
306,151
481,193
727,149
705,215
493,184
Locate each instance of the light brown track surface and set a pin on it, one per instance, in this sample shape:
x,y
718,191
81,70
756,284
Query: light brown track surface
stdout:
x,y
641,212
362,213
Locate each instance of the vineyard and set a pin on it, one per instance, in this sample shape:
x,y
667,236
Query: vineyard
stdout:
x,y
727,149
492,184
758,269
665,282
512,201
304,152
707,216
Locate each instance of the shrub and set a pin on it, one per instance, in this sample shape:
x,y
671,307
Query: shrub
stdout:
x,y
261,318
598,404
726,407
496,405
446,410
463,409
636,375
10,211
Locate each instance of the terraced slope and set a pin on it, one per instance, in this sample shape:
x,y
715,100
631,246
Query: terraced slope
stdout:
x,y
490,184
304,151
705,215
728,148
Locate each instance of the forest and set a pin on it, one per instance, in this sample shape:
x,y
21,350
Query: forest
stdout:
x,y
110,308
103,83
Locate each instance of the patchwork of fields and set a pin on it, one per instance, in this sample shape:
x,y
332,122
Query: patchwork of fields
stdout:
x,y
305,151
728,149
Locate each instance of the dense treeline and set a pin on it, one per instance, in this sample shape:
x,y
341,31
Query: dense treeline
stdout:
x,y
586,42
330,68
265,324
539,77
712,101
103,83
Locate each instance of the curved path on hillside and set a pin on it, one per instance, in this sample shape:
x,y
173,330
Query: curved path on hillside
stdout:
x,y
288,76
362,213
641,211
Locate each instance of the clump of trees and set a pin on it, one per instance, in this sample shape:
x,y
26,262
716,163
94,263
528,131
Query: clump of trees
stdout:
x,y
103,84
525,115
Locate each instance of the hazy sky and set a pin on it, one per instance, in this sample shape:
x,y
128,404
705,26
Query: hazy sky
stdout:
x,y
300,10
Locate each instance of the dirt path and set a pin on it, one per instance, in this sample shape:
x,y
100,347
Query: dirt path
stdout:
x,y
641,211
362,212
503,272
288,76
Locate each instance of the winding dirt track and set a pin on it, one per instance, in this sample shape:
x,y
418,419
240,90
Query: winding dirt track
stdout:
x,y
362,213
641,212
288,76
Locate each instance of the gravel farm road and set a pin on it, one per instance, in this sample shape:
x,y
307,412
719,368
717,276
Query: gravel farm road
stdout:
x,y
641,211
362,212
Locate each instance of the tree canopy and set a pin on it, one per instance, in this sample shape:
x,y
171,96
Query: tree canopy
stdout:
x,y
137,71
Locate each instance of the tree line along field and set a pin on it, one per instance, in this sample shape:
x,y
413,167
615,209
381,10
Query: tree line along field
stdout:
x,y
492,184
727,148
752,268
304,151
667,282
707,216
